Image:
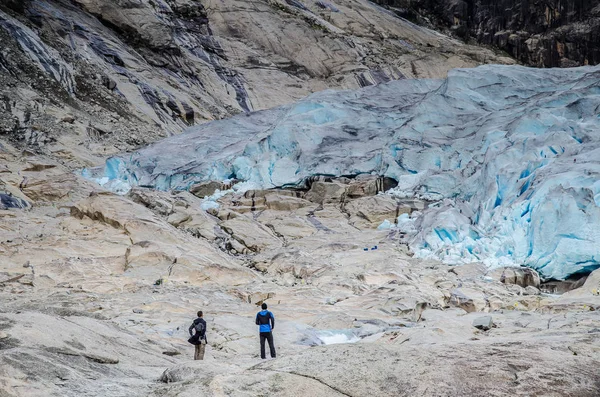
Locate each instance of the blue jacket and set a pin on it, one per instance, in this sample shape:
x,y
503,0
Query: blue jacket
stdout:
x,y
266,320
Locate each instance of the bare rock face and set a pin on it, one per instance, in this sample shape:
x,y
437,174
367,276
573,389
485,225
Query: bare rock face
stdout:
x,y
253,236
136,22
542,34
372,211
283,202
326,192
585,286
90,78
98,292
468,299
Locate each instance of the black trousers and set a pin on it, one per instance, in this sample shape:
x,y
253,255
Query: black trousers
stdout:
x,y
268,336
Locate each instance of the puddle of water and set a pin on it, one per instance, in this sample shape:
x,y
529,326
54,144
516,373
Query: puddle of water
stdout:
x,y
314,337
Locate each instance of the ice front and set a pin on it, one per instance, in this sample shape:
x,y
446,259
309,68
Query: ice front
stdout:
x,y
509,154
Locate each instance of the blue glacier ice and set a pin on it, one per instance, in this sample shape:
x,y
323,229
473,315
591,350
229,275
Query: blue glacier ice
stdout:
x,y
510,155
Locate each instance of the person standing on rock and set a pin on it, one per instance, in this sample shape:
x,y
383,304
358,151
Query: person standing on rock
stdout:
x,y
199,337
266,322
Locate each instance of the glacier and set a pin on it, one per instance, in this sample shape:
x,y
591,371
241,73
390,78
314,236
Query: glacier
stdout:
x,y
508,157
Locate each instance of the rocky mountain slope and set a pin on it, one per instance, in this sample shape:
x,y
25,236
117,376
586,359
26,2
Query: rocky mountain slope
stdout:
x,y
554,33
98,75
97,289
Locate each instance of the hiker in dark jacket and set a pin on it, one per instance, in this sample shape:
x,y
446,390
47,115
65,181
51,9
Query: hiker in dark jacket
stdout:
x,y
199,337
266,321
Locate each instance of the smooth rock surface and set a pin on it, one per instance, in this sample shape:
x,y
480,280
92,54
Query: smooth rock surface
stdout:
x,y
95,290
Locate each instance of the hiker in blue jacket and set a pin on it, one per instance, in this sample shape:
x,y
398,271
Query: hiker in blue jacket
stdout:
x,y
266,321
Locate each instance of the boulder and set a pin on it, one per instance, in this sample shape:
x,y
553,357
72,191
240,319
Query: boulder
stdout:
x,y
370,212
468,299
258,298
69,118
262,193
369,185
484,323
521,276
178,218
201,224
326,192
590,287
204,189
159,202
530,290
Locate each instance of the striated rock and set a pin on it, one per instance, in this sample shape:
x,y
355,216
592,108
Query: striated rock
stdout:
x,y
82,344
158,202
109,288
149,68
437,370
257,298
156,249
178,218
125,284
195,371
201,225
135,23
57,188
251,235
290,227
